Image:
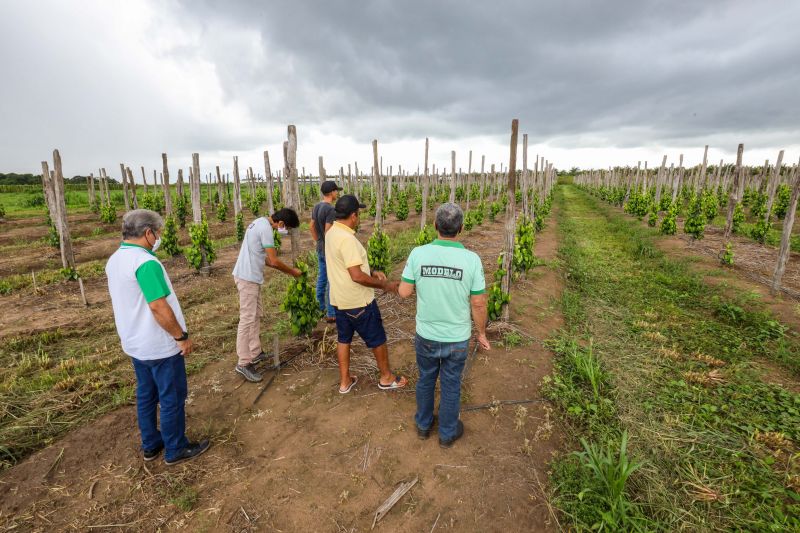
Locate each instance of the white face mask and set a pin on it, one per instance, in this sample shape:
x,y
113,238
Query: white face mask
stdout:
x,y
156,244
283,231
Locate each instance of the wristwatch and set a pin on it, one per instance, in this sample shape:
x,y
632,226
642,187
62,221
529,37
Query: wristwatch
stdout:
x,y
182,337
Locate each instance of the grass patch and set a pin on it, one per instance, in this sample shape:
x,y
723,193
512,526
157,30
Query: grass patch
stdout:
x,y
651,351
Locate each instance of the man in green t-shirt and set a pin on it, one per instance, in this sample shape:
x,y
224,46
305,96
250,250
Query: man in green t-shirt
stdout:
x,y
450,289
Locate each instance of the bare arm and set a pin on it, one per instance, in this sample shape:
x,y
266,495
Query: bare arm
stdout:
x,y
478,303
373,281
312,227
272,261
405,289
165,317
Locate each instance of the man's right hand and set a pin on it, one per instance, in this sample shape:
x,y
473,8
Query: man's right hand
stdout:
x,y
296,272
186,347
391,286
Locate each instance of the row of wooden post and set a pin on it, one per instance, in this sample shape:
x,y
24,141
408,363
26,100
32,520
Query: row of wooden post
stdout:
x,y
734,179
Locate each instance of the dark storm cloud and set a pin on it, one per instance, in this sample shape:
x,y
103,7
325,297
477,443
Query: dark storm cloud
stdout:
x,y
670,71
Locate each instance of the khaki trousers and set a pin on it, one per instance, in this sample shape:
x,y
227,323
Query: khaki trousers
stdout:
x,y
248,335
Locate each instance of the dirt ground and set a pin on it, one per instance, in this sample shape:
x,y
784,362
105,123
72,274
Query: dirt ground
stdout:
x,y
303,457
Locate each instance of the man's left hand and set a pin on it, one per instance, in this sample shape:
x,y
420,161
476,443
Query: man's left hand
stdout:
x,y
484,342
379,275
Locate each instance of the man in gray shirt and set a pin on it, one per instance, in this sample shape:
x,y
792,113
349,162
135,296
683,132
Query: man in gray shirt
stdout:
x,y
256,252
322,218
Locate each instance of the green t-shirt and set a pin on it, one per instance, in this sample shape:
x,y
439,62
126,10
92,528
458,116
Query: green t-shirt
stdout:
x,y
445,274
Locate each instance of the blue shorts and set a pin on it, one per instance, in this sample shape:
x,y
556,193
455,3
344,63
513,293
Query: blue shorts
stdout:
x,y
366,321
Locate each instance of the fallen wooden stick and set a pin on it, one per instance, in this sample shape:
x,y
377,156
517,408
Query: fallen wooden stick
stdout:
x,y
392,500
501,402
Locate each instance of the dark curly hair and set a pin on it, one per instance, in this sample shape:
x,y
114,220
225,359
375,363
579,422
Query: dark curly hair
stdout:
x,y
287,216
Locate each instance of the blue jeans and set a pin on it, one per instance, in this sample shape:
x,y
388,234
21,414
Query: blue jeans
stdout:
x,y
323,290
162,381
444,360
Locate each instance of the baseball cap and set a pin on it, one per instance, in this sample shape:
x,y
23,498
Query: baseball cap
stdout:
x,y
347,205
328,187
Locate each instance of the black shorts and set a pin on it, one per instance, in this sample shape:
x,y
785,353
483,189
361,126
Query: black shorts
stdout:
x,y
366,321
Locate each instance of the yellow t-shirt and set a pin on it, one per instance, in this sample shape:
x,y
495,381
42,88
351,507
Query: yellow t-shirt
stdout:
x,y
342,251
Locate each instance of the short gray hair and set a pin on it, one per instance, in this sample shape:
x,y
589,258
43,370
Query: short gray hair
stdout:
x,y
449,219
135,223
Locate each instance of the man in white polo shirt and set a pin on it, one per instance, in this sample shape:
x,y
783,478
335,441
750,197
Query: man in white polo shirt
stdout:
x,y
450,290
257,251
153,333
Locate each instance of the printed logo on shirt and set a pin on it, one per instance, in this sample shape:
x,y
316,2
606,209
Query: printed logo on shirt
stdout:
x,y
432,271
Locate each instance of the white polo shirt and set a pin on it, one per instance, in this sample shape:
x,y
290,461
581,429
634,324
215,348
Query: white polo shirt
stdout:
x,y
135,278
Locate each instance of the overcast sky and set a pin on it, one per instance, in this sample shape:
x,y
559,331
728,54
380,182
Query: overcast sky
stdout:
x,y
593,83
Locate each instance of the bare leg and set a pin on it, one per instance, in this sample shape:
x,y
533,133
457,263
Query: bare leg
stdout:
x,y
343,354
382,358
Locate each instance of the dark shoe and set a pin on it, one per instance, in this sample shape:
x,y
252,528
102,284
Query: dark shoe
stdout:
x,y
190,452
423,434
459,434
149,455
249,373
257,359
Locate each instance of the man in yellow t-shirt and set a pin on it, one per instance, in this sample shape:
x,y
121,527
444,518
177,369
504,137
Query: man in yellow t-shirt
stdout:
x,y
352,294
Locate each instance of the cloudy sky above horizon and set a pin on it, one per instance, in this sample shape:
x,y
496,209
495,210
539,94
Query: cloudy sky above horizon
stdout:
x,y
592,83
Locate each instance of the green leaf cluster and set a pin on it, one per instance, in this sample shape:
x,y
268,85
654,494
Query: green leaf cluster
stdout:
x,y
497,297
200,246
169,237
523,259
378,251
301,303
695,224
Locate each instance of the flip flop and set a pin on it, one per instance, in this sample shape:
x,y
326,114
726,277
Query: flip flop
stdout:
x,y
394,384
352,384
330,319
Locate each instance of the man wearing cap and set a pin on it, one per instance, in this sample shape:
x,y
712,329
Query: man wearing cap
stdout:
x,y
256,252
152,331
450,286
352,293
322,218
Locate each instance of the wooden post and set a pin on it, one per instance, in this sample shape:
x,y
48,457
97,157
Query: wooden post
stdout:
x,y
322,176
165,184
92,196
294,197
194,184
702,177
125,186
220,185
524,175
268,174
144,180
483,178
452,176
378,185
179,183
510,228
237,188
788,222
773,184
424,186
660,181
679,178
132,187
735,194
